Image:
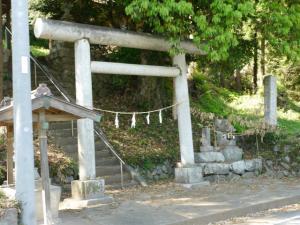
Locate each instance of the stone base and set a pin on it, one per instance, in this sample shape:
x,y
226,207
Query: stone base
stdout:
x,y
232,153
88,189
189,176
55,193
70,203
86,193
206,148
209,157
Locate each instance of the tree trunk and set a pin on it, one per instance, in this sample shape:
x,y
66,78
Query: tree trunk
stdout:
x,y
222,79
238,82
263,57
255,66
150,89
1,53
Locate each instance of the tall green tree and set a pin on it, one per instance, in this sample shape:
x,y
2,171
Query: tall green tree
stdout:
x,y
221,26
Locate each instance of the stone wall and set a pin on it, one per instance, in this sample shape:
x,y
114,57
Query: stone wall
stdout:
x,y
215,172
159,172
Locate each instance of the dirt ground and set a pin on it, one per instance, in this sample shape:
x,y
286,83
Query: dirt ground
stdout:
x,y
166,203
166,190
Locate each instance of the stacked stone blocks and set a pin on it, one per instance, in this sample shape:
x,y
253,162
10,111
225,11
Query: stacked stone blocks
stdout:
x,y
226,158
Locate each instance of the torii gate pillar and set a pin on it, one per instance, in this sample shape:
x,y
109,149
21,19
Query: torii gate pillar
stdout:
x,y
88,189
187,173
183,113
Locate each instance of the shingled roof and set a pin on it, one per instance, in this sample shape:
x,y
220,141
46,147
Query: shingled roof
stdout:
x,y
56,109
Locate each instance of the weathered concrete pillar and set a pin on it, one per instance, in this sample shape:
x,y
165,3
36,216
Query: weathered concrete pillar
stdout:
x,y
270,100
84,97
183,113
186,173
88,190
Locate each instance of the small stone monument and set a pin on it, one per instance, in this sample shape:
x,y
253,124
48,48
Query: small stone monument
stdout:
x,y
207,153
205,140
224,161
226,141
223,127
270,100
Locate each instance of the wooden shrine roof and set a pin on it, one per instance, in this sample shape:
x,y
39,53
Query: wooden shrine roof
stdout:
x,y
55,110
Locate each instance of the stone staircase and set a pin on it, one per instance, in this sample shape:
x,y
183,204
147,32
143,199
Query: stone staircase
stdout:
x,y
107,165
65,137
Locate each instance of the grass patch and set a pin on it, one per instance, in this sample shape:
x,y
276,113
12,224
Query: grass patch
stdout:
x,y
291,127
38,51
146,145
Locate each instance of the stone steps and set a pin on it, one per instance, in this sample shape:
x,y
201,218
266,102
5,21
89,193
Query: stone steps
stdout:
x,y
72,152
63,132
112,160
107,170
65,141
116,179
63,125
72,147
107,165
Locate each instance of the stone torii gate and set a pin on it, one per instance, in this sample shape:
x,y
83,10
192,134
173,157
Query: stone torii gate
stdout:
x,y
83,35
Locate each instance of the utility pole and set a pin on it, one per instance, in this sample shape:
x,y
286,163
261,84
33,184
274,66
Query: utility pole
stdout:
x,y
23,138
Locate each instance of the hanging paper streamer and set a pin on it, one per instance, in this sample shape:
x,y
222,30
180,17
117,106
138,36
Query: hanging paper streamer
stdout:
x,y
160,116
117,120
148,118
133,121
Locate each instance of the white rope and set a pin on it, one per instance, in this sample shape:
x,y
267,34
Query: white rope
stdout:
x,y
137,113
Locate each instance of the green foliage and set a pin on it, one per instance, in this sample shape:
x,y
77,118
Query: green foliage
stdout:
x,y
2,174
37,51
223,25
213,23
278,22
210,98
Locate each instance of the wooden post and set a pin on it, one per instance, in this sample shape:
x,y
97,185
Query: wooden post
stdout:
x,y
43,127
10,154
